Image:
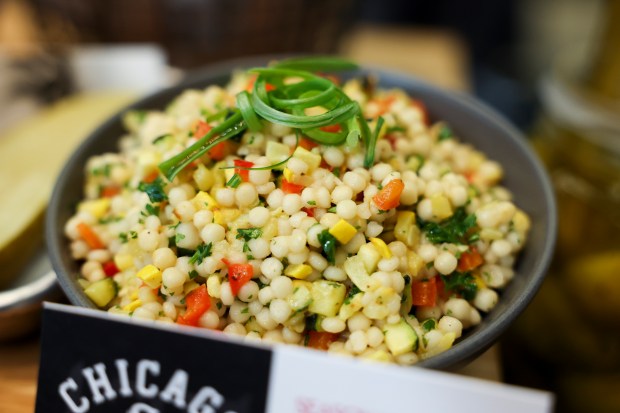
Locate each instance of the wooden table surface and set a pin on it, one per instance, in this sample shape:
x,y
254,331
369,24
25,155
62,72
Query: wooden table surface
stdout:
x,y
434,56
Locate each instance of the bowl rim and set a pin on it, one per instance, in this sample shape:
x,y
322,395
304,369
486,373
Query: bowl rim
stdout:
x,y
463,351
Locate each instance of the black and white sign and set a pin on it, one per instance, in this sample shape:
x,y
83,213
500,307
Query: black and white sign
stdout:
x,y
94,362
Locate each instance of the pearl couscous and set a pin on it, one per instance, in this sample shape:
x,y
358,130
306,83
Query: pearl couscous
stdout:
x,y
272,236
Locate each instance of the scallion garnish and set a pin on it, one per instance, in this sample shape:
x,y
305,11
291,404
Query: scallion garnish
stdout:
x,y
234,181
286,105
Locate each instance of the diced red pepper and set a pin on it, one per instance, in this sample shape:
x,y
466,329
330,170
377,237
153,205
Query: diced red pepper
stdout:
x,y
321,340
110,269
469,260
389,197
90,237
219,151
331,128
424,293
151,177
291,188
201,129
384,104
243,173
307,144
110,191
308,211
198,302
239,275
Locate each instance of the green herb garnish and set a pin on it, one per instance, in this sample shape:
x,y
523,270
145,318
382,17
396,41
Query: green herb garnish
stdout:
x,y
234,181
445,133
328,243
461,283
150,210
203,251
455,230
155,190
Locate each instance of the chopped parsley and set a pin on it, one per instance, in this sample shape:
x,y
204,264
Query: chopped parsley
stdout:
x,y
126,236
445,133
203,251
462,283
313,203
103,170
193,274
332,210
150,210
429,324
178,237
352,293
155,190
161,138
336,172
455,230
247,234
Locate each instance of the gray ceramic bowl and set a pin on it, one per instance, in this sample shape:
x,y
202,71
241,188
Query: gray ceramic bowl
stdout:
x,y
471,120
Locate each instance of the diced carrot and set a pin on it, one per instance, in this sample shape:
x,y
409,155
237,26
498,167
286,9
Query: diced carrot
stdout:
x,y
198,302
424,293
307,144
384,104
389,197
469,260
243,173
90,237
219,151
110,191
331,128
291,188
321,340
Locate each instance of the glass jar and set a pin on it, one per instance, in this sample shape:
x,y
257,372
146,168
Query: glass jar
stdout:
x,y
568,340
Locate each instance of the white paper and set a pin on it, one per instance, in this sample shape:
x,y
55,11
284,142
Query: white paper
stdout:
x,y
305,382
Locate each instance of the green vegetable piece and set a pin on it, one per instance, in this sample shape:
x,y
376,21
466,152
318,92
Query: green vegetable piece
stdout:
x,y
102,292
203,251
155,190
328,243
460,283
400,338
454,230
234,181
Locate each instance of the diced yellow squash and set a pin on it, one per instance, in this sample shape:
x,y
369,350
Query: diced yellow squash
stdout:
x,y
351,306
189,287
441,207
203,200
521,222
101,292
151,275
381,356
218,218
299,271
415,263
225,216
343,231
381,247
357,273
327,297
97,207
276,152
369,254
134,295
123,261
288,175
214,286
490,234
313,160
132,306
406,229
479,282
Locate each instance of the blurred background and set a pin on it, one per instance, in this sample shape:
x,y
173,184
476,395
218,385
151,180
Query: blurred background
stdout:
x,y
551,66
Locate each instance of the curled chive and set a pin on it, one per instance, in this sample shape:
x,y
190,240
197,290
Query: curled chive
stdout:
x,y
245,107
317,64
234,181
369,159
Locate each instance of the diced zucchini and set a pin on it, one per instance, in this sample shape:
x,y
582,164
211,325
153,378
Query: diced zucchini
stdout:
x,y
370,255
406,229
327,297
301,297
407,299
444,343
101,292
276,152
356,270
352,304
400,338
311,159
415,263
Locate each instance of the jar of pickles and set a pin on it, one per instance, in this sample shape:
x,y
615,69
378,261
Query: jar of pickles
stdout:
x,y
568,340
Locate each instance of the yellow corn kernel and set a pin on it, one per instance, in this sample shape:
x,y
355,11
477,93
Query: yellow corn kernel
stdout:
x,y
343,231
123,261
203,177
288,175
97,207
151,275
132,306
381,247
299,271
311,159
406,229
414,263
203,200
441,207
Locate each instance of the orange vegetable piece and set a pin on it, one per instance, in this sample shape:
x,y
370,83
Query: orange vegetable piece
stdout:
x,y
424,293
198,302
110,191
239,275
321,340
90,237
469,260
389,197
291,188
